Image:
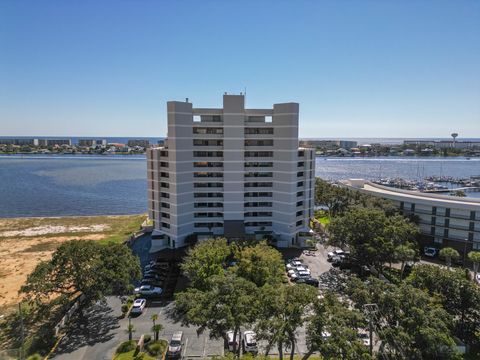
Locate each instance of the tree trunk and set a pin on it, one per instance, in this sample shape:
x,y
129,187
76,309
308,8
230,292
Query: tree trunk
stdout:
x,y
292,350
268,348
402,269
307,354
280,350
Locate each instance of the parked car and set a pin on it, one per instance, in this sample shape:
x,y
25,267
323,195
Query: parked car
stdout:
x,y
175,345
300,275
148,290
154,276
309,281
365,337
294,264
430,251
157,283
138,306
230,341
335,253
249,342
478,278
156,266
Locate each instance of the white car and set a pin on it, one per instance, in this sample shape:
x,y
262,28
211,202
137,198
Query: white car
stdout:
x,y
138,306
365,337
249,342
332,254
326,335
148,290
230,340
478,278
301,275
294,264
175,345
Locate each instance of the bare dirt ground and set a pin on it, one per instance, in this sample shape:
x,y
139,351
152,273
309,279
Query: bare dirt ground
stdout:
x,y
24,242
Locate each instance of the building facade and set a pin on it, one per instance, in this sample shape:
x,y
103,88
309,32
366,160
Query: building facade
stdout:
x,y
443,220
231,171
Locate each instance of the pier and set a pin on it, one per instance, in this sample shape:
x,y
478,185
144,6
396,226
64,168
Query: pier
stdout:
x,y
466,189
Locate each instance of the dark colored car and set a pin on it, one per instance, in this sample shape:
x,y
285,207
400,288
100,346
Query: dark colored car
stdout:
x,y
308,281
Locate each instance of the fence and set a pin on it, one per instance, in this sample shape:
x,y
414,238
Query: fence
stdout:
x,y
68,315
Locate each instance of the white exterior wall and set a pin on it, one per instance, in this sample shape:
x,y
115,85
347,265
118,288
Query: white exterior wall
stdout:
x,y
287,199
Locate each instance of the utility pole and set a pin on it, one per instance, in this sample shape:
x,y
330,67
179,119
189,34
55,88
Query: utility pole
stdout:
x,y
370,310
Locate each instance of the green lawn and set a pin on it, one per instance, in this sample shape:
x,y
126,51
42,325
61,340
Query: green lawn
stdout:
x,y
129,356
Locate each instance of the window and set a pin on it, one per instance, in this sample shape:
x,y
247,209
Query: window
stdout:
x,y
164,153
207,164
472,215
300,164
412,208
259,213
300,203
300,174
207,130
258,223
258,174
165,195
208,153
207,214
164,174
300,184
208,224
258,204
207,174
255,142
299,223
258,153
210,142
434,220
445,233
165,205
165,215
263,131
258,184
299,193
471,226
447,222
432,230
434,210
163,164
301,153
208,205
208,195
258,164
165,225
208,185
470,236
300,213
164,185
447,212
258,194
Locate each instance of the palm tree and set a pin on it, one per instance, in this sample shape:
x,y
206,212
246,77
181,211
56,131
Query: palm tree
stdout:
x,y
448,254
154,318
474,257
130,330
404,253
156,329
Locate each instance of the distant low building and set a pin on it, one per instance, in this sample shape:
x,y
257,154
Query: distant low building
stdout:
x,y
18,142
54,142
92,142
328,144
138,142
444,144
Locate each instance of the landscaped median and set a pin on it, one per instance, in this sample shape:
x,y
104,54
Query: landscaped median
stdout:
x,y
149,350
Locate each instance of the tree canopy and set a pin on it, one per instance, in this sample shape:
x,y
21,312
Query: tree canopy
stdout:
x,y
83,266
371,235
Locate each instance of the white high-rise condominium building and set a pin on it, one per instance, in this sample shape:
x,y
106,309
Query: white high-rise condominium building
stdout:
x,y
231,171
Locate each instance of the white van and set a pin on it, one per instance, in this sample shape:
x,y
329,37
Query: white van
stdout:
x,y
249,342
230,341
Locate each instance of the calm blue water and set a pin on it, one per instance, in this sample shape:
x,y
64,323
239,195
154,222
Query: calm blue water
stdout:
x,y
101,185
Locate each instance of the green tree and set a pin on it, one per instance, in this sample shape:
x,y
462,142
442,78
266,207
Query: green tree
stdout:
x,y
371,236
404,253
449,254
130,331
83,266
156,328
282,310
457,294
332,330
410,323
474,257
260,264
229,303
205,260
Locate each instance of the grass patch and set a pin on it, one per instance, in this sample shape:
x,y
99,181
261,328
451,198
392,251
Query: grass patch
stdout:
x,y
124,229
47,246
130,356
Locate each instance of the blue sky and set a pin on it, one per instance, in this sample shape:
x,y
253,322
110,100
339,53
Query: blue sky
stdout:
x,y
358,68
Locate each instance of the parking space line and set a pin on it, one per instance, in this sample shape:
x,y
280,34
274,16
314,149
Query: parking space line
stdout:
x,y
205,346
185,350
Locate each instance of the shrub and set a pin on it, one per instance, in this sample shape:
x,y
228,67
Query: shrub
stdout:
x,y
36,356
126,346
147,338
125,308
156,348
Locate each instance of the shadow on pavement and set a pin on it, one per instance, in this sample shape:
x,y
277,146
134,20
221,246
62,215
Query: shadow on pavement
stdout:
x,y
94,325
